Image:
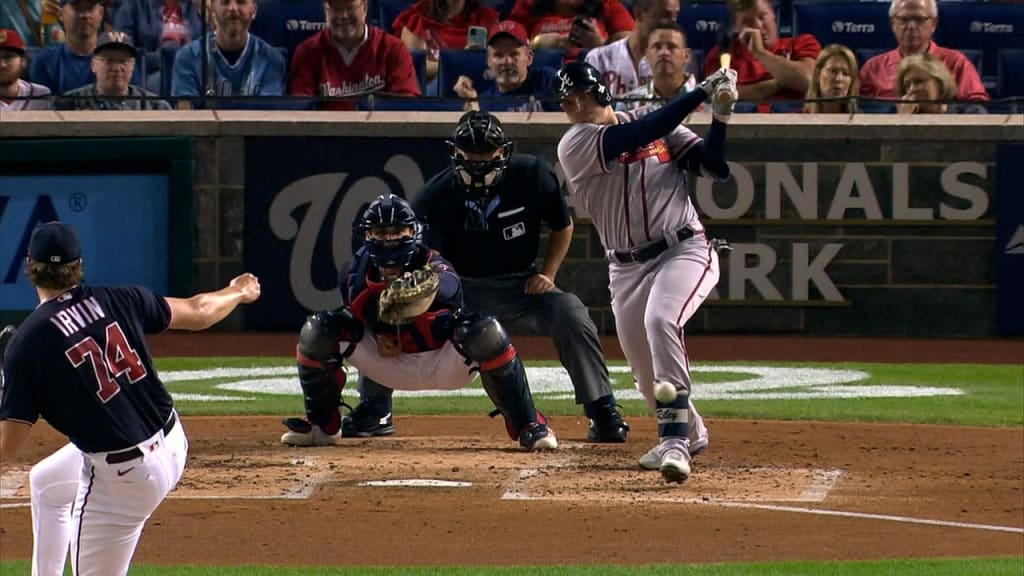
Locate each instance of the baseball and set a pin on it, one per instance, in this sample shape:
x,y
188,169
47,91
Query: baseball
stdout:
x,y
664,392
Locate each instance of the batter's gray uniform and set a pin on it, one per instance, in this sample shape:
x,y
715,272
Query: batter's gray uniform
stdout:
x,y
635,200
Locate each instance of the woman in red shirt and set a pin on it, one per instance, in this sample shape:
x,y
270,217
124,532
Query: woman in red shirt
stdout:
x,y
435,25
572,25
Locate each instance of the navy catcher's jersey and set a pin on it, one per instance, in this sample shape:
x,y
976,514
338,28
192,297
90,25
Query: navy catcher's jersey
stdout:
x,y
80,361
361,285
528,193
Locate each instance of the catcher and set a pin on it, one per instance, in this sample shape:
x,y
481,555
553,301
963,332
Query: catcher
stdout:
x,y
402,325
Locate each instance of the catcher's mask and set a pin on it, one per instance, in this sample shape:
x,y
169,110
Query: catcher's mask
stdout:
x,y
580,76
391,232
479,151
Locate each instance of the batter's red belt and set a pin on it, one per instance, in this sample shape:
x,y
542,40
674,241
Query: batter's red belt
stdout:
x,y
136,452
650,250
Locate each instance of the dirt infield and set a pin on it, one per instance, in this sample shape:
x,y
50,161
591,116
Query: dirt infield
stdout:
x,y
764,491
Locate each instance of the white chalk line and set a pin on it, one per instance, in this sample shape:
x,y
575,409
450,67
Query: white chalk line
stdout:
x,y
821,484
867,516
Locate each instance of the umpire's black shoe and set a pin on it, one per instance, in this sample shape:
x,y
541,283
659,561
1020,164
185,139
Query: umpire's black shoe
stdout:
x,y
363,422
607,425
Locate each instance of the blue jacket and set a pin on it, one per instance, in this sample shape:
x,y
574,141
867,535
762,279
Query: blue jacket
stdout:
x,y
143,19
259,71
60,69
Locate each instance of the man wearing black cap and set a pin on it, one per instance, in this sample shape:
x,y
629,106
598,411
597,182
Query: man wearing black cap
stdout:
x,y
80,361
484,215
113,62
67,65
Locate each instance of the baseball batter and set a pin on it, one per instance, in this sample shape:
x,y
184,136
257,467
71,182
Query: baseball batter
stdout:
x,y
627,170
80,361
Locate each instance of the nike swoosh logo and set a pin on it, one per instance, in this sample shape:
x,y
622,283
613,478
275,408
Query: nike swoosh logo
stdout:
x,y
123,472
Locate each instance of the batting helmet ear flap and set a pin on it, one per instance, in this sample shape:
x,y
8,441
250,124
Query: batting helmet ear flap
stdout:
x,y
602,95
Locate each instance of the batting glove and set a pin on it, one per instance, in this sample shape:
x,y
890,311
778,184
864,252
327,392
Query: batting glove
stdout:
x,y
712,81
724,98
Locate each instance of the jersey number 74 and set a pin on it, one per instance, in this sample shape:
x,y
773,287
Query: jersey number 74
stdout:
x,y
115,358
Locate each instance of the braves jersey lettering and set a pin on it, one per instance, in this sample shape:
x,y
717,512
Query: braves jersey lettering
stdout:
x,y
657,149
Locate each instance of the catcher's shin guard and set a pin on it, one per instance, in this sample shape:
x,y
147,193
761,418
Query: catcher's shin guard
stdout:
x,y
481,339
319,359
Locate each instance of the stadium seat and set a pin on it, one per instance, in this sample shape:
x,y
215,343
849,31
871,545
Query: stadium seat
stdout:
x,y
989,27
502,6
455,63
548,58
702,22
388,10
1010,66
696,65
286,23
414,104
858,25
419,64
786,106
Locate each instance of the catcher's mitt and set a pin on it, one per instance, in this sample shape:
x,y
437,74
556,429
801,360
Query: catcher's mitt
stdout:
x,y
408,296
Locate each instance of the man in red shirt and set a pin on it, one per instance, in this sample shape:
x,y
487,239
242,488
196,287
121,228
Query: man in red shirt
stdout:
x,y
348,59
768,67
913,23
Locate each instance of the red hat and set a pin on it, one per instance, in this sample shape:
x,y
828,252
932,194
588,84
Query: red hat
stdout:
x,y
9,39
513,29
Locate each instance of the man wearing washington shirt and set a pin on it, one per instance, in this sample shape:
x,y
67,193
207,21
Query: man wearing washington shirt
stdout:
x,y
348,59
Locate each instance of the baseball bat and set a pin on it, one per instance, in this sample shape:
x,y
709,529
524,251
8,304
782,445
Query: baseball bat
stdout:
x,y
724,60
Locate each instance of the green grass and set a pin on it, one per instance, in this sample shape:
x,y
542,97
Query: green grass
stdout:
x,y
993,394
943,567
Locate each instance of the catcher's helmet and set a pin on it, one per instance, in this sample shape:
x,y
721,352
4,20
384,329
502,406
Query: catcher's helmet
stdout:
x,y
579,76
388,210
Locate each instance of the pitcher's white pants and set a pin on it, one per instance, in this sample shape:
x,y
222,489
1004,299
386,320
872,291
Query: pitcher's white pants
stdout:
x,y
96,509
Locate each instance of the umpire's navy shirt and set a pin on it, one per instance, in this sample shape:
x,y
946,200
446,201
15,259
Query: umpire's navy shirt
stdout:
x,y
80,361
529,193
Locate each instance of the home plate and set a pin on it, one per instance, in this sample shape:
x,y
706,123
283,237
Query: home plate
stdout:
x,y
416,483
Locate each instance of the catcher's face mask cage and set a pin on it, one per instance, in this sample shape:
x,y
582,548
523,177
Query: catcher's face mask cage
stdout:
x,y
392,234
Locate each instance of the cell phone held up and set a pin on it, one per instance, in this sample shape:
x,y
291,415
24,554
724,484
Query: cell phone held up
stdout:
x,y
476,38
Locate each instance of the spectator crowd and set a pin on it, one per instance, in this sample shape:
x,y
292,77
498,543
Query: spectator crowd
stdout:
x,y
483,55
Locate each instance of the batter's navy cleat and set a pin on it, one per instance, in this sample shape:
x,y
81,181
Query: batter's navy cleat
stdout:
x,y
302,433
363,422
536,437
675,466
607,425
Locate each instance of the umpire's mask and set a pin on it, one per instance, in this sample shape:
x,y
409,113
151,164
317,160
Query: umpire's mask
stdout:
x,y
479,152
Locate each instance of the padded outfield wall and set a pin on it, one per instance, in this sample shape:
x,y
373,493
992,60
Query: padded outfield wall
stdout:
x,y
871,225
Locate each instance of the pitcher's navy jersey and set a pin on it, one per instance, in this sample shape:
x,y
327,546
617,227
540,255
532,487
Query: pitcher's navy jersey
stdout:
x,y
361,286
80,361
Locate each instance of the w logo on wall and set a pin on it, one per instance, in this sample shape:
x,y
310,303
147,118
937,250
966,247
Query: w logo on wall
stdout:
x,y
302,197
